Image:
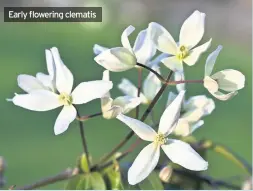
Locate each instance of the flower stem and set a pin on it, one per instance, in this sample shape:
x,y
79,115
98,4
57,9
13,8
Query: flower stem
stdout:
x,y
185,81
84,142
153,71
139,91
144,116
86,117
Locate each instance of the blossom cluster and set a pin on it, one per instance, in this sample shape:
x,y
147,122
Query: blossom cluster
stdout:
x,y
181,117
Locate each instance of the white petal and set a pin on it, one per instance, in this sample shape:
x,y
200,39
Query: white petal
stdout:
x,y
112,113
46,80
37,100
106,77
162,39
195,53
210,61
29,83
184,128
210,84
179,76
144,164
67,115
97,49
171,98
144,131
183,154
192,29
124,37
87,91
194,115
229,80
128,88
64,78
155,62
116,59
152,85
223,97
171,114
173,63
144,48
50,64
127,103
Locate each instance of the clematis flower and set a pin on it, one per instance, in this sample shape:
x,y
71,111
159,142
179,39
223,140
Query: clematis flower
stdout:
x,y
124,58
228,80
42,81
44,100
185,50
151,86
123,104
192,111
179,152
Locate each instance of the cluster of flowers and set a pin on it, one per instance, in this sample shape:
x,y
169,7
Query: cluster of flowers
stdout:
x,y
181,117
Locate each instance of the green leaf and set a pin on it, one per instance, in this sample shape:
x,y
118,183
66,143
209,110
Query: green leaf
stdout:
x,y
97,181
83,163
112,177
73,182
152,182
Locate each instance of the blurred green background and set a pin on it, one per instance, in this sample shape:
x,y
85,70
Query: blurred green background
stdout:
x,y
27,141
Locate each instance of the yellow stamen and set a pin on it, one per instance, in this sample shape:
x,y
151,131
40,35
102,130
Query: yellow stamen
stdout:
x,y
182,53
160,139
65,99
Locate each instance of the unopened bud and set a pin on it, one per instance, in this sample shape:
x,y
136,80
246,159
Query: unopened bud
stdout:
x,y
166,173
247,185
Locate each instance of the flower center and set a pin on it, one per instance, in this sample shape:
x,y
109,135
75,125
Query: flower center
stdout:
x,y
182,53
160,139
65,99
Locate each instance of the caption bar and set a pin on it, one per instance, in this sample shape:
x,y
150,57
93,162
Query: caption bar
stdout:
x,y
52,14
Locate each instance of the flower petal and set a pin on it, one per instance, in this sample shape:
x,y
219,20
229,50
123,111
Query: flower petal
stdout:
x,y
46,80
124,37
50,64
144,131
64,78
173,64
106,77
183,154
144,48
37,100
156,61
128,88
144,164
223,97
152,85
106,105
171,98
29,83
127,103
67,115
210,84
192,29
229,80
179,76
116,59
162,39
97,49
210,61
196,52
194,115
171,114
87,91
184,128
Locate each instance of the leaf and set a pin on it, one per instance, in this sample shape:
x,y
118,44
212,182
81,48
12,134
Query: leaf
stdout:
x,y
97,181
112,176
73,182
152,182
83,163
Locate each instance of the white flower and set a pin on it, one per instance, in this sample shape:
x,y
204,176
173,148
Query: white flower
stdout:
x,y
123,104
123,58
151,86
42,81
44,100
179,152
228,80
191,33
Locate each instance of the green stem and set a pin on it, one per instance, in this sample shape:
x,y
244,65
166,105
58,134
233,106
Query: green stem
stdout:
x,y
139,90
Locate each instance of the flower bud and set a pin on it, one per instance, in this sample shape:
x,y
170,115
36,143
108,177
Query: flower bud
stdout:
x,y
165,174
